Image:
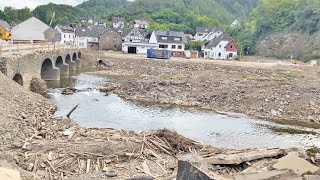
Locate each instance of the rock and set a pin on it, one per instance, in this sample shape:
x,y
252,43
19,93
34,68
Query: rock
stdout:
x,y
312,177
142,178
311,118
38,85
274,112
312,103
111,173
69,91
30,166
9,174
298,165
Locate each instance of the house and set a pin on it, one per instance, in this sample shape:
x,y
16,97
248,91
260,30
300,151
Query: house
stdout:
x,y
110,39
140,24
234,24
65,35
5,32
221,47
100,22
136,41
170,40
207,33
32,30
88,37
118,22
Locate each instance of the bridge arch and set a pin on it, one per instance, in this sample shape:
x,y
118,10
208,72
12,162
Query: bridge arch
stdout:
x,y
18,78
59,62
48,71
64,68
68,59
74,57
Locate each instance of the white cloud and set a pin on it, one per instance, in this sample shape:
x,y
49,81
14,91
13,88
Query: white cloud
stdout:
x,y
34,3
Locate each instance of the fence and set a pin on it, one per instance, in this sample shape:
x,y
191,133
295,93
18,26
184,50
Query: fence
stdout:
x,y
7,49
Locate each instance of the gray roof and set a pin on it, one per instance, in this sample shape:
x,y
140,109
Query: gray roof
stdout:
x,y
5,25
141,22
31,29
214,42
118,19
170,36
208,29
66,29
92,31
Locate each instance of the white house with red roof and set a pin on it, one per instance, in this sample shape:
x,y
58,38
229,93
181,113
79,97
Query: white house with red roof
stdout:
x,y
221,47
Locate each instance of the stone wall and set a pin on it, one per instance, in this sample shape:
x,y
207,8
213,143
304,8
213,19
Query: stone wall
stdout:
x,y
110,40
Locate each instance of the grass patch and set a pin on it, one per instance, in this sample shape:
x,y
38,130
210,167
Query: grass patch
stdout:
x,y
285,74
312,151
284,130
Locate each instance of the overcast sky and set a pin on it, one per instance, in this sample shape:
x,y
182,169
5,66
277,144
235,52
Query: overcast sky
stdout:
x,y
34,3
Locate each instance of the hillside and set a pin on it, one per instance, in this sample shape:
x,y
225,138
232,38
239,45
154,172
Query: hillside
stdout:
x,y
182,15
282,28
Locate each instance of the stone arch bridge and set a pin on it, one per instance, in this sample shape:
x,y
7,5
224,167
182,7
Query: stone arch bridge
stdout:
x,y
47,65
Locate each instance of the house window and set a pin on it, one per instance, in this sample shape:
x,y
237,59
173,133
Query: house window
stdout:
x,y
206,53
230,55
64,36
179,47
219,46
164,38
115,46
219,55
69,36
173,47
200,34
163,46
132,34
177,39
231,46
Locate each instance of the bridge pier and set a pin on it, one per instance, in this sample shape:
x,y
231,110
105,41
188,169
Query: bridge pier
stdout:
x,y
78,64
51,74
72,66
64,70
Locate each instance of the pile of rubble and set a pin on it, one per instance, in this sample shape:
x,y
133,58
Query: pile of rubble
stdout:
x,y
60,149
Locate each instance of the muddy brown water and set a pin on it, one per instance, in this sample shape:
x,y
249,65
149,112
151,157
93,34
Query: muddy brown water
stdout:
x,y
99,111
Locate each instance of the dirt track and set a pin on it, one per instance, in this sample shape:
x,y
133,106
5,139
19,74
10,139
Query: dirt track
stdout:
x,y
272,90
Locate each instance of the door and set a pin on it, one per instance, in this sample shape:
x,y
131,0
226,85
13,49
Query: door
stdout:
x,y
132,50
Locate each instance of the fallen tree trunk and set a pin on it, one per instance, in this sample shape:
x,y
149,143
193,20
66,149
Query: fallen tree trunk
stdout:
x,y
239,158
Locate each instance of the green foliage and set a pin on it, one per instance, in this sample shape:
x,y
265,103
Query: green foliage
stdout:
x,y
17,15
4,16
195,45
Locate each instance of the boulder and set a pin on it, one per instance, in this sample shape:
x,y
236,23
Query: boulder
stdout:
x,y
38,85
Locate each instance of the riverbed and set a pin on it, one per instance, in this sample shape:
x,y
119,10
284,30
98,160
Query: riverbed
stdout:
x,y
99,111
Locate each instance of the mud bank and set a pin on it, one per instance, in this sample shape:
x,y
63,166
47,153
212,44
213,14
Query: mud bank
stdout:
x,y
279,93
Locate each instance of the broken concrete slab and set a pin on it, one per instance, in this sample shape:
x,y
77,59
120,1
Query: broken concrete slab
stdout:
x,y
298,165
186,171
275,174
239,158
312,177
9,174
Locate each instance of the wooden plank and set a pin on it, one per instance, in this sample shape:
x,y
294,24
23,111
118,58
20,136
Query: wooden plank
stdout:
x,y
239,158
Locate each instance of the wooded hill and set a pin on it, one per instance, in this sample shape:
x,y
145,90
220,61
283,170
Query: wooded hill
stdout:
x,y
183,15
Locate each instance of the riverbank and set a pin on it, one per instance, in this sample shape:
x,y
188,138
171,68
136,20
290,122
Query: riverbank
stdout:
x,y
275,91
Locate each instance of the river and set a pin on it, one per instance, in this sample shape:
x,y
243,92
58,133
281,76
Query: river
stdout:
x,y
99,111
